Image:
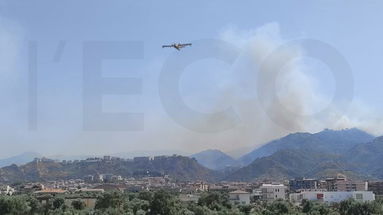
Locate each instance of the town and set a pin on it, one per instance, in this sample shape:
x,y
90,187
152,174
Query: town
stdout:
x,y
87,190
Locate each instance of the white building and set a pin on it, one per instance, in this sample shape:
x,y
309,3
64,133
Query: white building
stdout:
x,y
239,197
271,192
329,197
7,190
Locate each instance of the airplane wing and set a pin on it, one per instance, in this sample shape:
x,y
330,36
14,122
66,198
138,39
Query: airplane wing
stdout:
x,y
167,46
178,48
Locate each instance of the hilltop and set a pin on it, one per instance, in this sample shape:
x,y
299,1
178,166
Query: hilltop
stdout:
x,y
178,167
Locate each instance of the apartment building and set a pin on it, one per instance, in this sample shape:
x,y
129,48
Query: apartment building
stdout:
x,y
330,197
271,192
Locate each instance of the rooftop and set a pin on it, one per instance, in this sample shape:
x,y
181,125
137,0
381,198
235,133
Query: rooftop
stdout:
x,y
239,192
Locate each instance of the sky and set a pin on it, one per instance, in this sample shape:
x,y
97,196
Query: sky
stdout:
x,y
223,92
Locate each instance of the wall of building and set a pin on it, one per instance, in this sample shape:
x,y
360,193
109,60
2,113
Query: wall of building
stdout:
x,y
330,197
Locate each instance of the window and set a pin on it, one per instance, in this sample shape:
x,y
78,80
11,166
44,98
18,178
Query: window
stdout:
x,y
320,196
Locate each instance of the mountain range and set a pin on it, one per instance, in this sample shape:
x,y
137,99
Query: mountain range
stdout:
x,y
349,151
352,152
329,141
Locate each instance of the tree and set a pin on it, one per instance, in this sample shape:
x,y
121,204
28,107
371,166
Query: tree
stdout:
x,y
110,200
58,203
214,200
163,203
136,204
352,207
279,207
246,209
34,204
78,204
146,195
307,206
199,210
16,205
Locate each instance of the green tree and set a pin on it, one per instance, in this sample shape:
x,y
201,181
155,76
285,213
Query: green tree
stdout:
x,y
245,209
136,204
352,207
110,200
34,205
146,195
15,205
214,200
163,203
58,202
279,207
307,206
78,204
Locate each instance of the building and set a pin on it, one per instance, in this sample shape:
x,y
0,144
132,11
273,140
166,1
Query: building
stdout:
x,y
89,202
303,184
141,159
376,187
88,190
256,195
271,192
239,197
330,197
189,198
111,187
7,190
50,191
340,183
89,178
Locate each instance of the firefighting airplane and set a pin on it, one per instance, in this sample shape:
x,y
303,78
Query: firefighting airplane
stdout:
x,y
178,46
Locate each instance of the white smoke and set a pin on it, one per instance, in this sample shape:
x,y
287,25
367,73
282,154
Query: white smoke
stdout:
x,y
297,91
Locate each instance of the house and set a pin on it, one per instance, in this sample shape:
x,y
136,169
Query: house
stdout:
x,y
331,197
239,197
271,192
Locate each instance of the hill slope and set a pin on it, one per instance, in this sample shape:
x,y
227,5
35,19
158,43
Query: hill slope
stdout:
x,y
367,158
327,141
291,163
178,167
351,152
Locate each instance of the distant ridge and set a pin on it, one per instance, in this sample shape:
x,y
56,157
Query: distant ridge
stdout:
x,y
19,159
350,151
214,159
367,158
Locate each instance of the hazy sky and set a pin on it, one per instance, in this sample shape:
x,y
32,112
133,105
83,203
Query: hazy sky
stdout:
x,y
246,32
